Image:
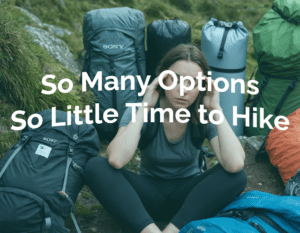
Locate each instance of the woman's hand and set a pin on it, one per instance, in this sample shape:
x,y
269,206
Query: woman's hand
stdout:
x,y
152,93
211,100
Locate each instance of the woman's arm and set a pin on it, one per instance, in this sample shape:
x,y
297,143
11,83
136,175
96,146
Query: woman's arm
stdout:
x,y
226,145
228,148
122,147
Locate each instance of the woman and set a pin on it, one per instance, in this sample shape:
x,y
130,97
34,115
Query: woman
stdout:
x,y
170,186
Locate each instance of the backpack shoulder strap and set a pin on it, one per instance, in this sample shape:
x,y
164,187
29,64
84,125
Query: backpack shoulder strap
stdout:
x,y
151,130
18,146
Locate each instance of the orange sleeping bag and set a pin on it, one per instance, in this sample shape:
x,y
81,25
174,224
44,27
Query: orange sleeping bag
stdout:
x,y
283,147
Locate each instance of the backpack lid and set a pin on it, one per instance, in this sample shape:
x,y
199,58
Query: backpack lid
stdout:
x,y
290,9
119,18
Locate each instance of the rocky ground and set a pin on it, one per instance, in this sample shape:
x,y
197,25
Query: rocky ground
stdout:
x,y
92,217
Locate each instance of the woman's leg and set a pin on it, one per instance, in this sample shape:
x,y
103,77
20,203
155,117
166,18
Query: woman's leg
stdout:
x,y
204,196
124,194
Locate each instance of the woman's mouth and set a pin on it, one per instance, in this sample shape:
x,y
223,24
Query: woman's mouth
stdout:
x,y
183,101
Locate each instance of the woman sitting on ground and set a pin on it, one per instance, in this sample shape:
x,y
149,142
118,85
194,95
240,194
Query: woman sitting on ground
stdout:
x,y
171,187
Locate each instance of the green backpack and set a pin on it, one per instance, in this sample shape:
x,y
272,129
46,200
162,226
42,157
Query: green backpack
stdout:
x,y
276,40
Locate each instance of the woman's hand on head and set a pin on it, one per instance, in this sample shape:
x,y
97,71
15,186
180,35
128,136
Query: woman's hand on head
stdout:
x,y
211,100
152,93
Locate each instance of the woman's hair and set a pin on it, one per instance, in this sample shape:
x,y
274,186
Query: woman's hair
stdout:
x,y
186,52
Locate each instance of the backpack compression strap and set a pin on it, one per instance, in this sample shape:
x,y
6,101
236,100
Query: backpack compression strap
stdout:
x,y
262,151
63,192
248,213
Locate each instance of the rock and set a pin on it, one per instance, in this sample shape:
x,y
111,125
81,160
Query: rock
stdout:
x,y
251,146
57,31
55,47
33,17
261,174
53,29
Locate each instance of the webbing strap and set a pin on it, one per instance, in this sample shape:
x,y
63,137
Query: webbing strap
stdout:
x,y
227,26
291,87
248,213
18,147
73,210
47,218
69,160
114,92
221,51
75,223
252,75
138,64
262,87
271,222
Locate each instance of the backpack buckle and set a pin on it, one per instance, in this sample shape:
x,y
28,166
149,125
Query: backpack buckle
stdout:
x,y
22,142
228,25
71,150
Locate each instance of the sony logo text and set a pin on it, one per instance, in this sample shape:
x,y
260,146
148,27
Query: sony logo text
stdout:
x,y
113,46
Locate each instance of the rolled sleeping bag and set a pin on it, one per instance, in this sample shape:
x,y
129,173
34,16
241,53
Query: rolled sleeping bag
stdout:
x,y
163,35
224,45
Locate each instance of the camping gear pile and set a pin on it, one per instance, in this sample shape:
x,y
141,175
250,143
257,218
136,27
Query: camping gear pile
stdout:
x,y
41,175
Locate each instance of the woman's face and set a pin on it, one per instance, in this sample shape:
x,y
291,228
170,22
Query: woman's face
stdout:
x,y
182,68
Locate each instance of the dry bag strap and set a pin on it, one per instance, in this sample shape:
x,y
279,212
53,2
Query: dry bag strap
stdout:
x,y
227,26
18,147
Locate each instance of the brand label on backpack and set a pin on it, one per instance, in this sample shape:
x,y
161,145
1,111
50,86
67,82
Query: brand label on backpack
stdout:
x,y
49,139
43,150
113,46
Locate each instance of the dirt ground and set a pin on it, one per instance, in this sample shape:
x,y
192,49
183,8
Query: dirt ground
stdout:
x,y
92,217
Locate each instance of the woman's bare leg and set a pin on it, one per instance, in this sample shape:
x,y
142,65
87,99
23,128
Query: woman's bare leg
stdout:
x,y
152,228
171,228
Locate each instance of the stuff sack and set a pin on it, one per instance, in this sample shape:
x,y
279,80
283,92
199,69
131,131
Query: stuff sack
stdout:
x,y
283,147
277,51
114,43
253,212
163,35
41,175
224,45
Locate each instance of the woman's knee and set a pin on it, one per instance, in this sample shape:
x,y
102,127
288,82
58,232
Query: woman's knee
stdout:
x,y
238,179
94,166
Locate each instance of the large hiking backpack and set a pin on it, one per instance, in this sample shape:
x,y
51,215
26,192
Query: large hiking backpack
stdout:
x,y
224,45
163,35
284,149
253,212
41,175
197,136
277,51
114,43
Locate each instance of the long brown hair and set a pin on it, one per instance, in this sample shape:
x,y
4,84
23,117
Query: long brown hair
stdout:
x,y
186,52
